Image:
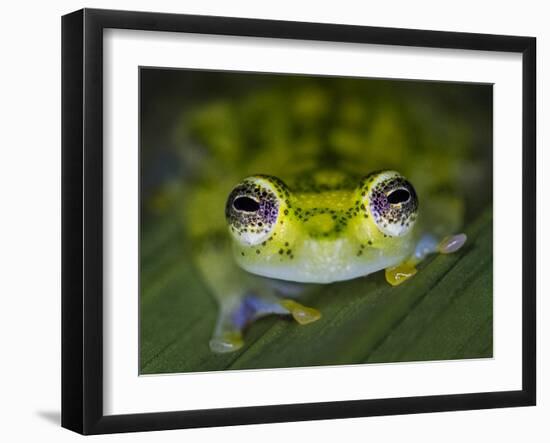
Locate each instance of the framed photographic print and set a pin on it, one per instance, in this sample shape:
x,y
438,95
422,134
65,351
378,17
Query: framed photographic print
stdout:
x,y
271,221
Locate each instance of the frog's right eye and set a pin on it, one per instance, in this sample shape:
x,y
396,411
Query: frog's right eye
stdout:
x,y
252,210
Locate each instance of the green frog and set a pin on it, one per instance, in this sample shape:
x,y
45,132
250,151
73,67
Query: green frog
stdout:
x,y
280,194
321,227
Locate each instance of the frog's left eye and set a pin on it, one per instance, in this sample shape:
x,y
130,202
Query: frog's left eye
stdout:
x,y
252,210
392,202
245,204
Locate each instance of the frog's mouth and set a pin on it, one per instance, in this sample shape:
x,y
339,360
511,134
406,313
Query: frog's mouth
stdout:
x,y
322,262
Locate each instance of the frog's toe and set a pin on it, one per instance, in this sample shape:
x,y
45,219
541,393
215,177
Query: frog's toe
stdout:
x,y
226,342
451,243
302,314
400,273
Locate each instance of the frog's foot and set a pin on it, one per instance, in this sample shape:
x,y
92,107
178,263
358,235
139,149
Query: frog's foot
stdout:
x,y
451,243
302,314
234,317
427,245
226,341
400,273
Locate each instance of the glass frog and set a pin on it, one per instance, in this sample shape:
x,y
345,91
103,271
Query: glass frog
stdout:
x,y
322,227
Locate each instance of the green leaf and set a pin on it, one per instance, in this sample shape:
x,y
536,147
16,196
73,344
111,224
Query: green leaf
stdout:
x,y
444,312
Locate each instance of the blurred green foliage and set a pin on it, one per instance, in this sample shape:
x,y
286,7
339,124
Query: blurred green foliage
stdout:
x,y
202,132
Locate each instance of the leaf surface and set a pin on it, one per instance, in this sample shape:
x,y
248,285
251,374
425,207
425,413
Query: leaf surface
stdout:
x,y
444,312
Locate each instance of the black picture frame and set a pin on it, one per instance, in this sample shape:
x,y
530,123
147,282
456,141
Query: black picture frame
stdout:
x,y
82,220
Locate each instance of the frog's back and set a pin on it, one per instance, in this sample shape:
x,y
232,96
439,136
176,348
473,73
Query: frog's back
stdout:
x,y
318,180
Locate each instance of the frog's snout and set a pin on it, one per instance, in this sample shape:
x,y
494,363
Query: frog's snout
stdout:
x,y
320,224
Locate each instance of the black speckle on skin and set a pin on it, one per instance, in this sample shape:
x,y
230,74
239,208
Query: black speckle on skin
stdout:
x,y
275,200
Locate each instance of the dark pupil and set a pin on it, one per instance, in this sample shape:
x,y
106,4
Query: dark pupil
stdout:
x,y
246,204
399,196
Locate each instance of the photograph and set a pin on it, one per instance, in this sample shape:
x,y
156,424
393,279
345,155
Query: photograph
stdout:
x,y
291,220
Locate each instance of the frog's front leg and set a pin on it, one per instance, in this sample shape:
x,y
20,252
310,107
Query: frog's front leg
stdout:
x,y
427,245
237,312
242,297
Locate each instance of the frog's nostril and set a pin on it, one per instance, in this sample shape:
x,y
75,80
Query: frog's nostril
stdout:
x,y
246,204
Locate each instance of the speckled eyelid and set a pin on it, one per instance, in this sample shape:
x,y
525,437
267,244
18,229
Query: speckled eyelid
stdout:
x,y
252,209
391,201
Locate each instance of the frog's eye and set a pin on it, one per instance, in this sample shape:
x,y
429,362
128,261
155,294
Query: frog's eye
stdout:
x,y
392,202
245,204
252,210
399,196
